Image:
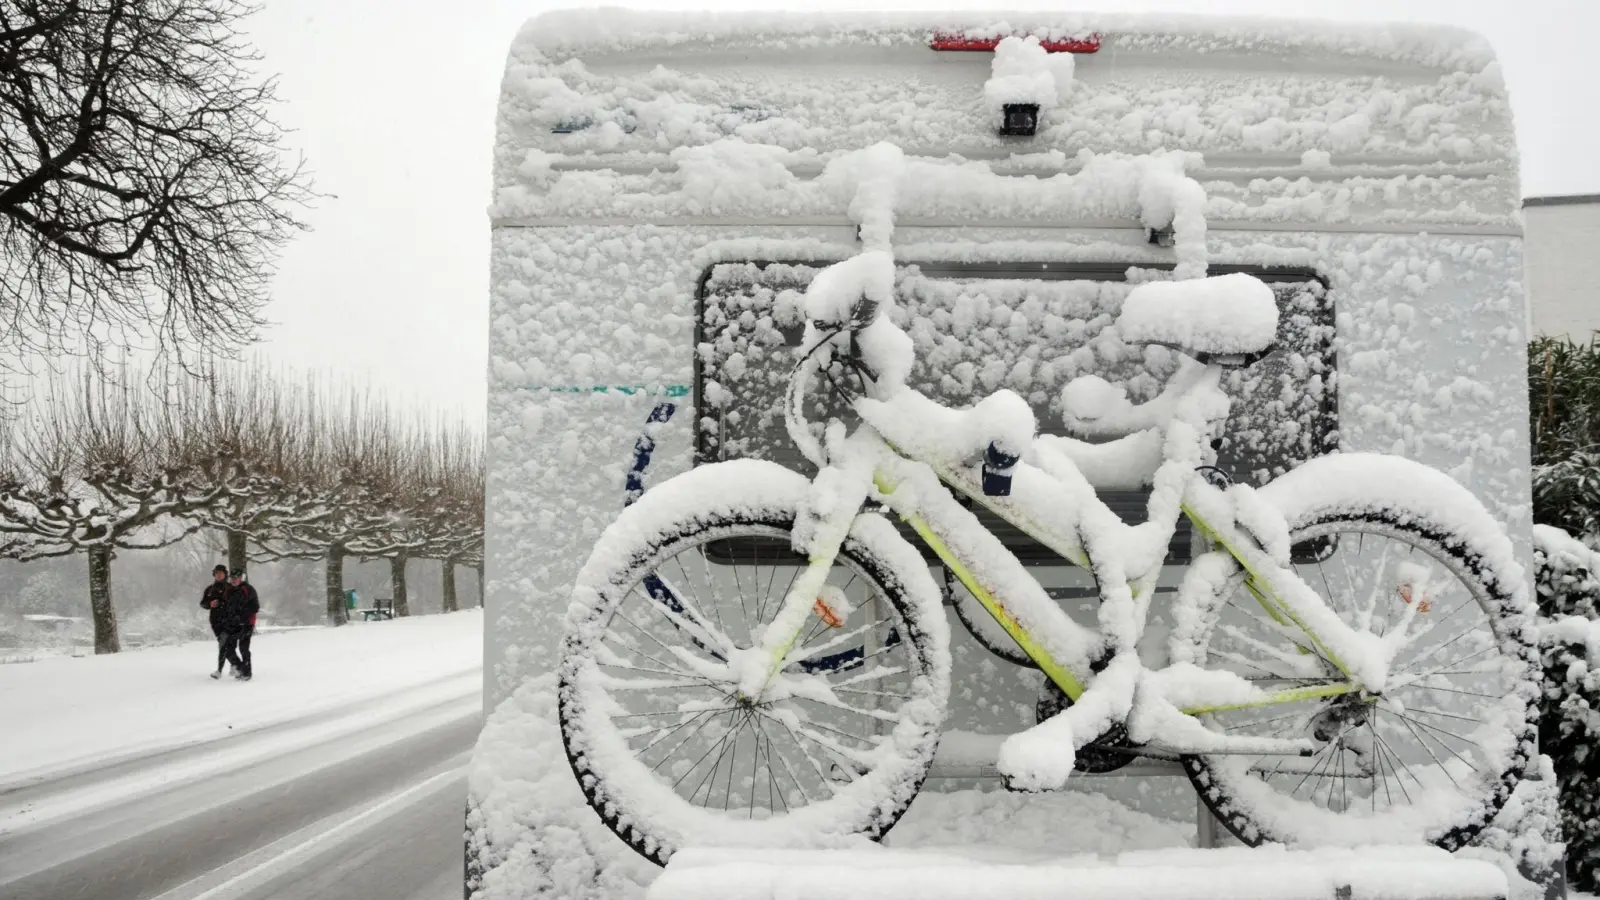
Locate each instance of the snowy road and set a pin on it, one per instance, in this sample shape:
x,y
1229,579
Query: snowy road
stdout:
x,y
383,819
135,777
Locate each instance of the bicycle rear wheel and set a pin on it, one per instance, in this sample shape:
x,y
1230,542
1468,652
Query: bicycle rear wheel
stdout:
x,y
1437,755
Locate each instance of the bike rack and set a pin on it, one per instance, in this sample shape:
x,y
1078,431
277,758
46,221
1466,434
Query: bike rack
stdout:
x,y
966,755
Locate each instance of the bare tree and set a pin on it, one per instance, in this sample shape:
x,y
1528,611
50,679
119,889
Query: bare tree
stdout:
x,y
100,469
143,187
349,471
254,417
409,489
456,535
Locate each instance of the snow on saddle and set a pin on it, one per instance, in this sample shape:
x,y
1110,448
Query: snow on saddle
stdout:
x,y
1228,318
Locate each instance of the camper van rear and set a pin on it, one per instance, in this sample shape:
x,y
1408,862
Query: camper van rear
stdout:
x,y
667,185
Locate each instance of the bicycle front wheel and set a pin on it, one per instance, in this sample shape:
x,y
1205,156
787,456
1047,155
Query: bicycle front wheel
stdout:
x,y
664,746
1397,551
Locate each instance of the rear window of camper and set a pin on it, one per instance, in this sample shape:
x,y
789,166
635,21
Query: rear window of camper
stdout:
x,y
1027,327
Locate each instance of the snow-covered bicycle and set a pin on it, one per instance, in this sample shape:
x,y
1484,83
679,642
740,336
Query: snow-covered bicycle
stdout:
x,y
753,657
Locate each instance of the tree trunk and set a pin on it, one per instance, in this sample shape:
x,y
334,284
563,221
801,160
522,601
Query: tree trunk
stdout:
x,y
397,581
334,571
105,615
236,550
448,604
479,569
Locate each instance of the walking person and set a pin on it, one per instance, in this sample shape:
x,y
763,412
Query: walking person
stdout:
x,y
242,604
211,601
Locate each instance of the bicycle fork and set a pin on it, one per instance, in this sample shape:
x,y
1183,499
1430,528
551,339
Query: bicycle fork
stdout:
x,y
836,497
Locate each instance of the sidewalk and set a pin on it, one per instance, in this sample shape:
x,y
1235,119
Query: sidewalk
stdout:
x,y
71,714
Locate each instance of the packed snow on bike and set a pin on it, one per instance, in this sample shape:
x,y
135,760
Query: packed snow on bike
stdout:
x,y
906,454
922,372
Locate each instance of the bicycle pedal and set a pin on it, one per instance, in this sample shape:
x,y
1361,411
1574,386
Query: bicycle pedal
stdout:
x,y
1006,783
1012,787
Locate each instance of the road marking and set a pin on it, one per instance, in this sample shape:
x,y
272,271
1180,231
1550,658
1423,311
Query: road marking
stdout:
x,y
313,838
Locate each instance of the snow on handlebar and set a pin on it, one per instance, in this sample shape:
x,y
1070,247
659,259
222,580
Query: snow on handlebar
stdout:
x,y
852,293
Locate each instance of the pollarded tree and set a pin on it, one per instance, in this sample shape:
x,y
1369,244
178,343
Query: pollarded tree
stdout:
x,y
413,490
255,419
351,459
101,468
456,535
143,185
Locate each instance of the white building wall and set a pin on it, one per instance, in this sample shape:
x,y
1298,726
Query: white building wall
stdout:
x,y
1561,257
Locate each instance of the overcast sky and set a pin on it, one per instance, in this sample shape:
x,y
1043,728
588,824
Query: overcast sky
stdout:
x,y
392,103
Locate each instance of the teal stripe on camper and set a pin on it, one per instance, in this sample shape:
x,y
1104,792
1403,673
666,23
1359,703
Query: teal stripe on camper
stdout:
x,y
671,390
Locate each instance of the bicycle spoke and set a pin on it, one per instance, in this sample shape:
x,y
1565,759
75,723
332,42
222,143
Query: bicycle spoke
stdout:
x,y
1436,730
1378,753
668,728
1397,765
641,684
841,705
606,665
811,652
685,740
666,665
1454,662
710,780
1435,712
803,751
691,769
867,693
1293,715
1424,744
727,790
1432,687
738,585
773,754
716,595
689,621
670,712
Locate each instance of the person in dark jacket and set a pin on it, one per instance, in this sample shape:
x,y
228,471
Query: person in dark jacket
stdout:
x,y
211,601
240,605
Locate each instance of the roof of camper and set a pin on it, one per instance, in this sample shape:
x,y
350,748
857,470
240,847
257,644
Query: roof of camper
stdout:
x,y
1405,116
569,33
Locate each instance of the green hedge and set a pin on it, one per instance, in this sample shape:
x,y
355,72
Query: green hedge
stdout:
x,y
1567,579
1564,403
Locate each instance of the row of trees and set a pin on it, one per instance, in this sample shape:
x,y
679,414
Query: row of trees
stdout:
x,y
284,469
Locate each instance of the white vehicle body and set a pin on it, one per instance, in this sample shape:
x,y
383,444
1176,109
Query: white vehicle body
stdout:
x,y
663,183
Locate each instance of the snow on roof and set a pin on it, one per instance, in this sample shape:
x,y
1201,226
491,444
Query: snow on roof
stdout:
x,y
614,112
570,33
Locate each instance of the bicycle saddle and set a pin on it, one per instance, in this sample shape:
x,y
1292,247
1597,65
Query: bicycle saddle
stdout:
x,y
1228,320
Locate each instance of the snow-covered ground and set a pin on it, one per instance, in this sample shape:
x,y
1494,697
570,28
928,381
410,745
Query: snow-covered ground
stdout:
x,y
80,715
1265,873
70,713
138,775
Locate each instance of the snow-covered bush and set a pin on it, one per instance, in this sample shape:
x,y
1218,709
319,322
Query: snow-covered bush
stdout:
x,y
1568,585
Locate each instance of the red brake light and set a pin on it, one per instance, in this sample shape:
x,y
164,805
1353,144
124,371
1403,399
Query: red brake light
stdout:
x,y
946,41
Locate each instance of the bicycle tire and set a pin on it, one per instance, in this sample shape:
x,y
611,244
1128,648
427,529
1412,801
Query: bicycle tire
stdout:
x,y
718,502
1344,496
